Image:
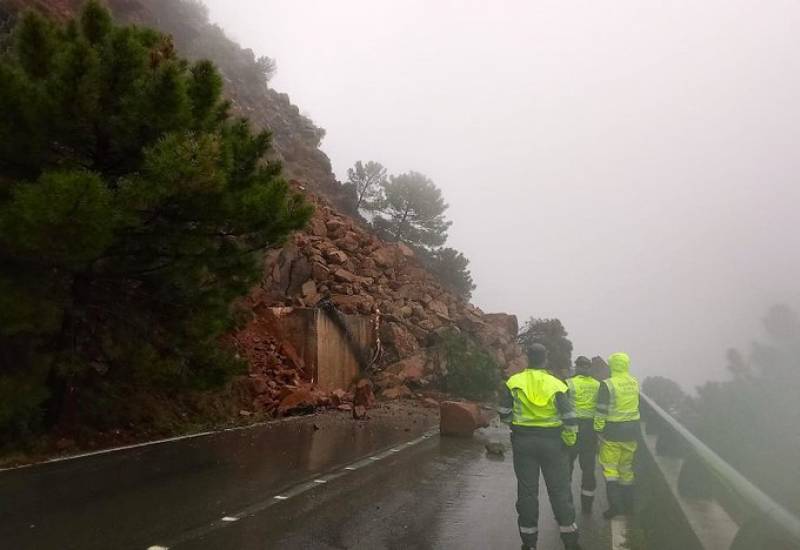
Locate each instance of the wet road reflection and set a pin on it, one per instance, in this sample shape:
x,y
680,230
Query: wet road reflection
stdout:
x,y
444,493
135,498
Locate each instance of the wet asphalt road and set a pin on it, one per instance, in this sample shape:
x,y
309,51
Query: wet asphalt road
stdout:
x,y
437,493
442,493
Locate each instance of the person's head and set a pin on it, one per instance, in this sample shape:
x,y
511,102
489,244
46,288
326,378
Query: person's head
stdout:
x,y
537,356
619,363
583,365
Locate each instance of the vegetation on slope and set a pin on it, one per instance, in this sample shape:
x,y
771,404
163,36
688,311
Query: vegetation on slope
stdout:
x,y
133,211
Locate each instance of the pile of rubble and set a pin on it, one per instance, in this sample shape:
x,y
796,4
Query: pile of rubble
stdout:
x,y
341,262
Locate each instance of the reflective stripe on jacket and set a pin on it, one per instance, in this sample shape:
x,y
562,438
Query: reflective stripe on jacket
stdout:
x,y
583,395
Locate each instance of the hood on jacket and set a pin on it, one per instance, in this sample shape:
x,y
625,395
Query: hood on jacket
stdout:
x,y
539,386
619,363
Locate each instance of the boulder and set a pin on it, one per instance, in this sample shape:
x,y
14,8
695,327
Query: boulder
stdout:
x,y
439,309
299,401
504,322
397,336
336,227
460,419
398,392
405,250
317,227
363,395
384,257
336,256
345,276
319,271
386,379
410,369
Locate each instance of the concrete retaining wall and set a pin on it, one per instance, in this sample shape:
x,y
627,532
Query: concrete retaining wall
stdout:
x,y
330,356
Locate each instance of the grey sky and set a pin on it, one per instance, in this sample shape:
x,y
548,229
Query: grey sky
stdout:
x,y
629,167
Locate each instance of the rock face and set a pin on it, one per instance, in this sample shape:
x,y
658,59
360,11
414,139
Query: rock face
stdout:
x,y
345,263
460,419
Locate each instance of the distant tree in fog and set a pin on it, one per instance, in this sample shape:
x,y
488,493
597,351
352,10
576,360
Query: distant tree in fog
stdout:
x,y
552,335
752,419
413,211
365,182
451,267
666,392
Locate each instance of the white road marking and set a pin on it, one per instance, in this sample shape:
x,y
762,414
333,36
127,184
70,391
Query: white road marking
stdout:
x,y
619,528
149,443
292,492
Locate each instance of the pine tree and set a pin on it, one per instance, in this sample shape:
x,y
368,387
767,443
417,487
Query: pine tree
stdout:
x,y
367,181
133,212
413,211
451,267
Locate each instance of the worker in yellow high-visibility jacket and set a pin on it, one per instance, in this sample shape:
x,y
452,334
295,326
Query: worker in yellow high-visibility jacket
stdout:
x,y
543,426
617,423
583,390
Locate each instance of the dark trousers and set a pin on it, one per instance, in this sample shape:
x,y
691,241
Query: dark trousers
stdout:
x,y
534,453
585,450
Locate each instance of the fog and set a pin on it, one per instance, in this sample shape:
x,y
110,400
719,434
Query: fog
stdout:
x,y
628,167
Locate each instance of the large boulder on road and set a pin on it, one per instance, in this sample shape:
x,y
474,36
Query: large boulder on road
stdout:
x,y
460,419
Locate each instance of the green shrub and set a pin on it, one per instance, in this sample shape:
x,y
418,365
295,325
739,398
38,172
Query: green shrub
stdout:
x,y
471,372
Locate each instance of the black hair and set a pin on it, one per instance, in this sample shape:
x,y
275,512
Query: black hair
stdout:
x,y
537,356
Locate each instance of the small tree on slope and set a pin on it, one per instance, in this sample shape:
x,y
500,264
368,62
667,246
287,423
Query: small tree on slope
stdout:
x,y
133,211
413,211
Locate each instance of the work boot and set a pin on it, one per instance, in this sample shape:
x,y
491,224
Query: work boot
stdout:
x,y
628,502
613,495
586,504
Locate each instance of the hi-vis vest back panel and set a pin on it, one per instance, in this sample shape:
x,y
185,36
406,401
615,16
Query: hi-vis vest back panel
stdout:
x,y
534,393
623,404
583,394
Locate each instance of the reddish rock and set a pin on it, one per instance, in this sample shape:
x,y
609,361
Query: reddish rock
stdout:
x,y
363,394
504,322
345,407
410,369
299,401
398,392
385,380
339,396
336,256
317,227
384,257
405,250
397,336
430,403
345,276
459,419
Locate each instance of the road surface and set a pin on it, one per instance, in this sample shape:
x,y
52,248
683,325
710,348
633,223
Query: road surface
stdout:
x,y
325,488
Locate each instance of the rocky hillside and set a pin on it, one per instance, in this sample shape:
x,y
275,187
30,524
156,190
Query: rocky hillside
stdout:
x,y
336,259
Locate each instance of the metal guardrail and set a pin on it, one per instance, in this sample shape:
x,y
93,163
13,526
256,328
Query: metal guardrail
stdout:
x,y
766,524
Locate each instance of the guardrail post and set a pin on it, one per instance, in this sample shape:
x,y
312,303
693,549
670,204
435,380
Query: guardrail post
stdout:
x,y
694,479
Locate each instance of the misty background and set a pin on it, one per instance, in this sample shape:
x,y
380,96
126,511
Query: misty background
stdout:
x,y
627,167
